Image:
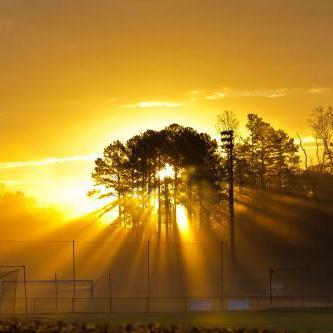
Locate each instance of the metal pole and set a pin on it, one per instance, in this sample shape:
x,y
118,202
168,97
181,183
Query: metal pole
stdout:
x,y
227,138
222,273
231,199
271,271
148,276
302,284
56,291
74,275
159,208
91,295
110,291
25,289
1,295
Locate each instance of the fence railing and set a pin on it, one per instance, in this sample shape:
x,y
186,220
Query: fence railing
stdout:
x,y
159,304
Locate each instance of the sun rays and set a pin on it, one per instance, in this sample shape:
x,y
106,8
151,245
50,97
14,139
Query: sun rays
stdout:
x,y
183,223
166,172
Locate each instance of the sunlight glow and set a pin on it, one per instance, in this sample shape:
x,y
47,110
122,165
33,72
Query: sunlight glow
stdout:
x,y
75,201
109,217
166,172
47,161
182,219
153,104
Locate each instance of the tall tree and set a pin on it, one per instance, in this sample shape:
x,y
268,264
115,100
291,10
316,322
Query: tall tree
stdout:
x,y
111,174
131,174
266,158
321,122
227,121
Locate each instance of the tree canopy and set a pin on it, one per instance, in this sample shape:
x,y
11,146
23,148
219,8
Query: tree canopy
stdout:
x,y
267,158
158,172
155,174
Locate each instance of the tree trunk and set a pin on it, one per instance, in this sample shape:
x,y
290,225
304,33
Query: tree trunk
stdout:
x,y
201,208
189,198
166,206
175,195
119,198
159,208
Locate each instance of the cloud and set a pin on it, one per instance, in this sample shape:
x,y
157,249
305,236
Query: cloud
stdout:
x,y
14,182
154,104
196,94
47,161
224,93
216,95
316,91
228,93
307,140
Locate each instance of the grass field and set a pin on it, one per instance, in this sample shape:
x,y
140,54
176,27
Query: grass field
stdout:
x,y
301,320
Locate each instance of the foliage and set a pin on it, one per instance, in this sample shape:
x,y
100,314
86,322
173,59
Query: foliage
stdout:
x,y
131,174
321,122
226,121
266,158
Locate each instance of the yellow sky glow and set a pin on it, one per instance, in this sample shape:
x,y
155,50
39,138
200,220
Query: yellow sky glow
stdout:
x,y
77,75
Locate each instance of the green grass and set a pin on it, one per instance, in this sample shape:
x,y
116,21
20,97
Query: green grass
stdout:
x,y
301,320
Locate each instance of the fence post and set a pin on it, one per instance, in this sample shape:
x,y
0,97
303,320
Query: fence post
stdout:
x,y
222,272
91,295
74,275
148,276
25,289
302,285
271,271
110,292
56,291
1,294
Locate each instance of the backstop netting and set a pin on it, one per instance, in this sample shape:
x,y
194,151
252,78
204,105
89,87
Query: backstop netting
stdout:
x,y
312,286
49,296
8,286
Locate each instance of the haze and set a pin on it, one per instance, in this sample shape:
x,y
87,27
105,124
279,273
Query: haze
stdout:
x,y
77,75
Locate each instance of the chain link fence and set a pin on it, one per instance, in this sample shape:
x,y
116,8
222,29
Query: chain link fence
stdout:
x,y
143,276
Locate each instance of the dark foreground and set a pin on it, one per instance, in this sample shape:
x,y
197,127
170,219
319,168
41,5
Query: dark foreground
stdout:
x,y
282,320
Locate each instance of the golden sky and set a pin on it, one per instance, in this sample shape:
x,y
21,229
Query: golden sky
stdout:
x,y
75,75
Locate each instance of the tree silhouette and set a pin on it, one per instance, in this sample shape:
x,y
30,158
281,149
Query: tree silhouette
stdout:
x,y
133,174
227,121
321,122
266,158
130,174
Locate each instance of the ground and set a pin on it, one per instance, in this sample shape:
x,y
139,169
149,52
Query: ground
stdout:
x,y
302,320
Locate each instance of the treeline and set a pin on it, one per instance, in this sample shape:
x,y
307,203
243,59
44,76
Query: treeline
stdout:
x,y
157,173
20,212
267,158
317,176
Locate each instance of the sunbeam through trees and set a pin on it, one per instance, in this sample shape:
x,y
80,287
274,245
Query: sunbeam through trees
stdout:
x,y
155,173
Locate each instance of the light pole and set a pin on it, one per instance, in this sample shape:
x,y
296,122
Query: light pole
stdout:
x,y
271,272
227,138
